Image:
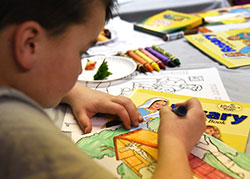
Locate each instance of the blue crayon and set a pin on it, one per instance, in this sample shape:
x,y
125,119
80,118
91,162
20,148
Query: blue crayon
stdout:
x,y
163,58
180,110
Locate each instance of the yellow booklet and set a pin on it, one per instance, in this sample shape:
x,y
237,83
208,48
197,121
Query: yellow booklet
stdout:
x,y
227,15
232,48
228,121
167,22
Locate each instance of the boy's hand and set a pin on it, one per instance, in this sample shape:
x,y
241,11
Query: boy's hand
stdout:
x,y
86,102
187,129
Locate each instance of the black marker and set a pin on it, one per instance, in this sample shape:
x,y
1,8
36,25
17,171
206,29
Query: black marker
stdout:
x,y
114,122
180,110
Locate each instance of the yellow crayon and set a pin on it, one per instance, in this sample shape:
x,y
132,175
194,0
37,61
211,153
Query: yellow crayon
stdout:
x,y
147,59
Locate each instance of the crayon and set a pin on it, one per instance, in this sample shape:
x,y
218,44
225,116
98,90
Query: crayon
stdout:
x,y
139,67
165,53
140,60
147,59
203,29
180,110
114,122
163,58
159,62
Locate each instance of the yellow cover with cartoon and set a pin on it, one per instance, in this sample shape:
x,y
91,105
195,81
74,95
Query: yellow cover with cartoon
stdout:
x,y
228,121
231,48
226,15
167,22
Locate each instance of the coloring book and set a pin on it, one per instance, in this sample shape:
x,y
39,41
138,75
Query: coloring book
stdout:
x,y
133,153
231,48
226,120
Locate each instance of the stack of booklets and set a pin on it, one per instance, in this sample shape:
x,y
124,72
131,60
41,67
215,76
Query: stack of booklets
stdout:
x,y
168,22
228,15
231,48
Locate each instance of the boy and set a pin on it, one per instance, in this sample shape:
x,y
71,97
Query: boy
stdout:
x,y
41,45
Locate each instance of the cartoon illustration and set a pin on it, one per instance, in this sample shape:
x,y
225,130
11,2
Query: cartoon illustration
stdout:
x,y
227,159
240,36
152,106
243,53
213,131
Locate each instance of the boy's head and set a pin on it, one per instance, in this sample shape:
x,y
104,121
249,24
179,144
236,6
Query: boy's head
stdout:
x,y
53,15
41,42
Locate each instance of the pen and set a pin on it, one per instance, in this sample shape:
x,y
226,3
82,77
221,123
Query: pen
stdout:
x,y
180,110
114,122
147,59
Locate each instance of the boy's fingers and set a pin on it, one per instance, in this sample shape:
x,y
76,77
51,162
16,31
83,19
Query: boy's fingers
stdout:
x,y
84,122
131,110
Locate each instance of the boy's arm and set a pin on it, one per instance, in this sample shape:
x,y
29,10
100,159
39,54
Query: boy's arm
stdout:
x,y
177,137
86,102
172,160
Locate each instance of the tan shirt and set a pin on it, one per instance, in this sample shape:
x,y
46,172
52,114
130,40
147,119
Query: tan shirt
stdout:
x,y
32,147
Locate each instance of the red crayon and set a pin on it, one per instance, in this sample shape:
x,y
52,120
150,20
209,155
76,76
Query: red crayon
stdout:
x,y
140,60
155,59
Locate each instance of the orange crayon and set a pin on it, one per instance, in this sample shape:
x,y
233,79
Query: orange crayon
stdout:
x,y
140,60
147,59
155,59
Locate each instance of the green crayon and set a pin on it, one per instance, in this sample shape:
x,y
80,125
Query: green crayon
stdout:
x,y
167,54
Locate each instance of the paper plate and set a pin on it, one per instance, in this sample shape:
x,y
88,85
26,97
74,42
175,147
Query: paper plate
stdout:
x,y
114,36
120,67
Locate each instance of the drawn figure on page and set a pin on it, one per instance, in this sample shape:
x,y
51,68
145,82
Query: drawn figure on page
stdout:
x,y
149,169
169,85
213,131
206,146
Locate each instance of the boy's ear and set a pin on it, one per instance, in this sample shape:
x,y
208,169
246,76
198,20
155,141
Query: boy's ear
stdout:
x,y
26,44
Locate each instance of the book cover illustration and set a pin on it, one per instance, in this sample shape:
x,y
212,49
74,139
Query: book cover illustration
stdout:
x,y
167,22
228,15
231,48
133,153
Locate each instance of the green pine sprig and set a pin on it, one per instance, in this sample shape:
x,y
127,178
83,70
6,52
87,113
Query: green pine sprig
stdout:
x,y
102,71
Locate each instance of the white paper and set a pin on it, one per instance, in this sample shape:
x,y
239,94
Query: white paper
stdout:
x,y
203,83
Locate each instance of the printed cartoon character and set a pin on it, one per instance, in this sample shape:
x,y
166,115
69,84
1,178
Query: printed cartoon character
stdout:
x,y
152,106
213,131
240,36
243,53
